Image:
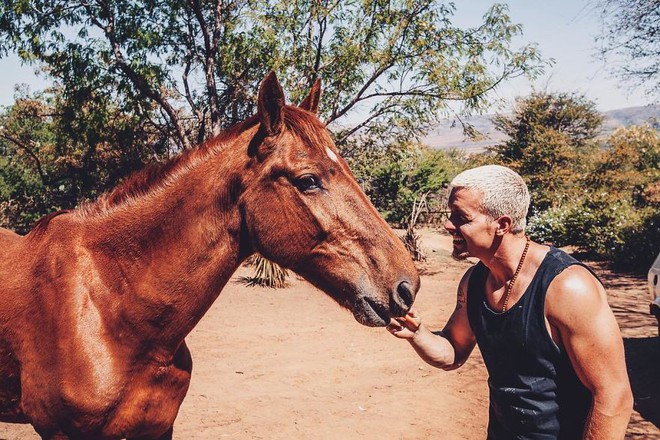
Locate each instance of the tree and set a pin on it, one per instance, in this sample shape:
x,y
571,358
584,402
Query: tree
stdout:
x,y
192,67
177,72
630,166
26,163
50,160
615,215
399,181
631,30
549,136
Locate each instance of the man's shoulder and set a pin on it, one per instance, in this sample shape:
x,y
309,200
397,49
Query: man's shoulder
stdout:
x,y
575,290
561,257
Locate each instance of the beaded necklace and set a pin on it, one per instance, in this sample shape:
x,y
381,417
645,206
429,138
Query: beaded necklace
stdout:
x,y
509,287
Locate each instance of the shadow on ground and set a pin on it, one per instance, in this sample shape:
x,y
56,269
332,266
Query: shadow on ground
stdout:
x,y
629,298
643,359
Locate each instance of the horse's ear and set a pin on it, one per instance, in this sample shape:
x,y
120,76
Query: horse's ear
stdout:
x,y
311,103
270,106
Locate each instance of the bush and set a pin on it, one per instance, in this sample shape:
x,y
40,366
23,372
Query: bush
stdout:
x,y
640,243
549,226
616,216
615,231
23,197
396,181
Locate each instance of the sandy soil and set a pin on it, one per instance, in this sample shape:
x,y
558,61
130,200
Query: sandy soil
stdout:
x,y
289,364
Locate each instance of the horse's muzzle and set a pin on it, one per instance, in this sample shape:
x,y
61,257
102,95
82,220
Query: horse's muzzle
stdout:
x,y
402,298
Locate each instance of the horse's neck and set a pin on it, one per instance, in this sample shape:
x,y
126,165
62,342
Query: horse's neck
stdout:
x,y
172,251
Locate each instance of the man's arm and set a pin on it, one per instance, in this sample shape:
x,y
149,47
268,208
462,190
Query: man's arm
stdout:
x,y
447,349
576,307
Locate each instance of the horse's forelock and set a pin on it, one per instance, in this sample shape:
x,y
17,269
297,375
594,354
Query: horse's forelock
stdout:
x,y
307,127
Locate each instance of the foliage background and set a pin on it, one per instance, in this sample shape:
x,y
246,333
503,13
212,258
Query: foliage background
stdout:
x,y
137,81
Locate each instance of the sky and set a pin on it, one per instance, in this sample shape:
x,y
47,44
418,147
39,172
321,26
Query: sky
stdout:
x,y
566,31
563,29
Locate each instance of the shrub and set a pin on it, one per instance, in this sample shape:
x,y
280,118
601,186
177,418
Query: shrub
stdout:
x,y
549,226
615,231
639,244
394,184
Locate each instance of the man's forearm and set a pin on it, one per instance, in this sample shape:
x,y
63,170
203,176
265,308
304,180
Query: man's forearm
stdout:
x,y
609,416
434,349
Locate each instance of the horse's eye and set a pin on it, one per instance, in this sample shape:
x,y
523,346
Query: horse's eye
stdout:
x,y
307,182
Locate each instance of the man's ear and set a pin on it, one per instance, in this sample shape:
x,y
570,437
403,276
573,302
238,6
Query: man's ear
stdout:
x,y
504,225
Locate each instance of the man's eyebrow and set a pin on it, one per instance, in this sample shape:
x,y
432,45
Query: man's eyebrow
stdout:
x,y
459,211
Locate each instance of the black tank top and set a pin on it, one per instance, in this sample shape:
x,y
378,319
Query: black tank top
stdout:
x,y
534,391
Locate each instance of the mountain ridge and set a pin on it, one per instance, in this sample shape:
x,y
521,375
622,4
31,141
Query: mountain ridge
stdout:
x,y
449,134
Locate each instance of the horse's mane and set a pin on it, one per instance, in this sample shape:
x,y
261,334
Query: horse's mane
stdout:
x,y
152,175
142,182
42,224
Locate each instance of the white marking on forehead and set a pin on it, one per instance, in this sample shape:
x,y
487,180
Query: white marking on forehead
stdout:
x,y
331,154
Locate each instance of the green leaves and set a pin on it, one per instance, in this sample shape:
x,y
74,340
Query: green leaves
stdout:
x,y
50,160
550,138
138,80
602,200
392,66
394,180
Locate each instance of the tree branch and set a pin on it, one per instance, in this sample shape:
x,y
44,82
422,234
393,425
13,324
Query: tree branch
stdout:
x,y
364,123
21,145
358,96
395,38
210,48
139,82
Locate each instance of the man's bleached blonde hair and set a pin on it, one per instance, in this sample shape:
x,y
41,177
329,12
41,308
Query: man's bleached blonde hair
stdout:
x,y
504,192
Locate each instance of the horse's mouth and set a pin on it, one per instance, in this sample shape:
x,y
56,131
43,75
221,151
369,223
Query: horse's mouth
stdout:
x,y
372,314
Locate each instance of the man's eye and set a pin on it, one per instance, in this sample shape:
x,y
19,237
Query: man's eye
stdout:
x,y
307,182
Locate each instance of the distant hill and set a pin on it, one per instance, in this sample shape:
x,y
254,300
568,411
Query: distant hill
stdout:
x,y
450,135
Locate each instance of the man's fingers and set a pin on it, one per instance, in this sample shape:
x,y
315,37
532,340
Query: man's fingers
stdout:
x,y
410,321
394,325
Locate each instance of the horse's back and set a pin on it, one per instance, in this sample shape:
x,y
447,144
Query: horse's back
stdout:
x,y
9,237
11,244
12,276
11,261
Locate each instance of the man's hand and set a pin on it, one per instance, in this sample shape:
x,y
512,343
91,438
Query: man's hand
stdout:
x,y
406,326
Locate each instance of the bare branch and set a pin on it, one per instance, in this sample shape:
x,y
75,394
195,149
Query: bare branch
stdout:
x,y
23,146
366,122
210,48
139,82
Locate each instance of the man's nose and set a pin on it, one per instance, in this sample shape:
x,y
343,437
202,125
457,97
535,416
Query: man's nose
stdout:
x,y
449,226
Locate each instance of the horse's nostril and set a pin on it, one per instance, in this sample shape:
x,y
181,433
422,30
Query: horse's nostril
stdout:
x,y
406,294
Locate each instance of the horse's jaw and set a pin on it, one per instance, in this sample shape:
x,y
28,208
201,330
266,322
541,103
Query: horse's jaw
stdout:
x,y
369,305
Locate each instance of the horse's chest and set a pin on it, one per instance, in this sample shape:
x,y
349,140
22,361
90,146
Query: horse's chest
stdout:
x,y
146,406
151,402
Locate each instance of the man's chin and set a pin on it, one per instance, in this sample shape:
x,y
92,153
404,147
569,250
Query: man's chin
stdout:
x,y
460,255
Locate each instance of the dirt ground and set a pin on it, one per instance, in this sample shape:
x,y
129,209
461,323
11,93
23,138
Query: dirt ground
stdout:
x,y
290,364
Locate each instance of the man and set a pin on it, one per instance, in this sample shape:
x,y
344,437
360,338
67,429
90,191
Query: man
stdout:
x,y
549,340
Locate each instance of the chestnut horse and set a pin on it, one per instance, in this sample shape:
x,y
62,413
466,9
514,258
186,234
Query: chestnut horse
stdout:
x,y
96,302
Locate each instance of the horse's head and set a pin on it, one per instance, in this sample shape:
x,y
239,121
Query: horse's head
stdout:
x,y
304,210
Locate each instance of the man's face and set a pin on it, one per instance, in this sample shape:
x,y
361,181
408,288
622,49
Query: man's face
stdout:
x,y
472,230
